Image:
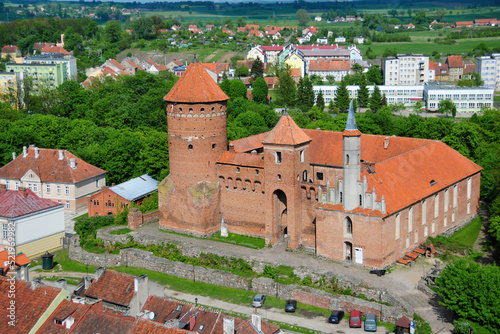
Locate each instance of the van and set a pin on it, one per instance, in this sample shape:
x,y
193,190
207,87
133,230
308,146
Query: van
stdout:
x,y
370,322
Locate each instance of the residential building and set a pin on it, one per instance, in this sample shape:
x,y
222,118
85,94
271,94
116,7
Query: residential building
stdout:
x,y
13,52
322,40
406,69
9,83
324,68
114,65
14,265
112,200
52,75
489,69
340,39
58,175
131,66
466,24
455,67
317,18
37,223
359,40
466,100
333,193
55,58
442,72
432,71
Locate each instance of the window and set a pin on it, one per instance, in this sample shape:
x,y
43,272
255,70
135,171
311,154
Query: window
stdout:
x,y
67,204
472,96
29,186
304,176
410,219
66,190
398,226
17,185
416,236
190,147
319,176
360,200
445,222
35,187
347,159
279,177
455,196
97,183
257,172
238,170
426,231
463,97
213,146
301,156
47,188
469,184
340,197
424,212
456,96
440,97
5,231
278,157
6,184
436,206
446,200
433,227
472,105
347,227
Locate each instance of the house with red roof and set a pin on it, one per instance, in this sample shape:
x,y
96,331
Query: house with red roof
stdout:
x,y
14,265
131,66
455,67
57,175
461,24
346,196
33,224
329,67
13,52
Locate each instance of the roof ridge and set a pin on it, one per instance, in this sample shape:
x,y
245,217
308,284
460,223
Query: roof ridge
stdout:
x,y
432,141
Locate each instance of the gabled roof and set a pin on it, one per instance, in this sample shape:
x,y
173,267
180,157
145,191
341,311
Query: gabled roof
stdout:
x,y
54,49
13,203
96,321
136,188
65,310
116,64
286,132
39,46
114,287
295,72
455,61
143,326
195,86
272,47
10,48
432,66
20,260
49,168
329,65
30,305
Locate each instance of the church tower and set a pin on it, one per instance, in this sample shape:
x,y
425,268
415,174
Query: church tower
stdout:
x,y
349,196
197,132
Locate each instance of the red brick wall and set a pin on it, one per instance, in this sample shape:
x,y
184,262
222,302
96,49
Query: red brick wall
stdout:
x,y
311,299
98,204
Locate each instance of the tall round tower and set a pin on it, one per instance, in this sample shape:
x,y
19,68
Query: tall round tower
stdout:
x,y
197,131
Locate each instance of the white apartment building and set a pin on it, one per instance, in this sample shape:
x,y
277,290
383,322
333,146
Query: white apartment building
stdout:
x,y
489,69
466,100
406,69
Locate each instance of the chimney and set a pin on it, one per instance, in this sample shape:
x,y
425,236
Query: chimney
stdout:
x,y
87,281
22,191
256,321
231,147
13,155
37,153
35,283
61,154
98,272
141,287
3,187
72,163
386,143
228,325
61,283
25,151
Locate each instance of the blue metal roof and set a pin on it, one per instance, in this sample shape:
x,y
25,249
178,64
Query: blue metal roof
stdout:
x,y
136,188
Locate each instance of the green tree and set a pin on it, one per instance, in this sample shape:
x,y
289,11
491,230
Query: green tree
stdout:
x,y
303,17
257,70
374,75
225,85
241,71
237,89
113,31
342,100
320,102
447,107
420,18
418,107
305,94
392,12
376,99
286,94
363,94
143,28
370,54
260,90
470,80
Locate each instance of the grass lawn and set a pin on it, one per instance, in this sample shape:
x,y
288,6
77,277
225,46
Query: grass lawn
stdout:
x,y
121,231
85,215
468,235
235,239
67,264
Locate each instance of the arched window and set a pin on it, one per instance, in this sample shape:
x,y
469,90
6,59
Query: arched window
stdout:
x,y
340,197
190,110
347,159
347,227
202,110
304,176
360,200
109,203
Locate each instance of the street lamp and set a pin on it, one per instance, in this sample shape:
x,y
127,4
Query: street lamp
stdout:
x,y
196,301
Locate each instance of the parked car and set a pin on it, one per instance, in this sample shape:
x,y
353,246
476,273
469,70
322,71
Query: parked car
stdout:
x,y
355,319
336,316
258,300
370,322
291,305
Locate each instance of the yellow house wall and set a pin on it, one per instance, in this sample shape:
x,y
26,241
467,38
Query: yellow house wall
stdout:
x,y
296,62
39,247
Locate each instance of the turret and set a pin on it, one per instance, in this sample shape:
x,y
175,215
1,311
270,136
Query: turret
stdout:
x,y
351,162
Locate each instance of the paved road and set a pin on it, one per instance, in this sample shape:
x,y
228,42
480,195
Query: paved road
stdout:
x,y
401,282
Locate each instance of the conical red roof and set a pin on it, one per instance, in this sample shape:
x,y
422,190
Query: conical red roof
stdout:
x,y
286,132
195,86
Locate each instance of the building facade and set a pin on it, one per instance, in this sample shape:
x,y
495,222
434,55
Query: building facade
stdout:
x,y
336,194
406,69
489,69
466,100
58,175
52,75
55,58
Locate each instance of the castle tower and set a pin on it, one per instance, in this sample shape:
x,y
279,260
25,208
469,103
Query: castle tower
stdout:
x,y
197,131
351,162
286,162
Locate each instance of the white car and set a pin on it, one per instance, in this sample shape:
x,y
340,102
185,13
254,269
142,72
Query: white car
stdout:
x,y
258,300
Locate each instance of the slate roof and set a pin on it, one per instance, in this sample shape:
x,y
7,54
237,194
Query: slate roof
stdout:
x,y
195,86
455,61
30,304
49,168
114,287
136,188
14,204
329,65
286,132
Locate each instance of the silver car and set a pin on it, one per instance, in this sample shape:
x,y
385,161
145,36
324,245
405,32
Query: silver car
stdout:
x,y
258,300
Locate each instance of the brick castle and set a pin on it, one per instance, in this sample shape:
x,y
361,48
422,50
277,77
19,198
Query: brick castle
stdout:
x,y
344,195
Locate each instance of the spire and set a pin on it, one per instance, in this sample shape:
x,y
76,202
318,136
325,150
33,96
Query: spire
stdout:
x,y
351,120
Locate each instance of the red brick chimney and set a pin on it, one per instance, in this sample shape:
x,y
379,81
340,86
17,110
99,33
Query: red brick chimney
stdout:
x,y
2,187
22,191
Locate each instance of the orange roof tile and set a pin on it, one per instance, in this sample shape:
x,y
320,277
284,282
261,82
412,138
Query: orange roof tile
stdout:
x,y
431,65
20,260
117,64
195,86
49,168
30,304
114,287
295,72
10,48
63,311
242,159
455,61
97,321
143,326
286,132
330,65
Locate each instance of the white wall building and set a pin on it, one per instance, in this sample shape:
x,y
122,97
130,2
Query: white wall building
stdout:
x,y
466,100
489,69
406,69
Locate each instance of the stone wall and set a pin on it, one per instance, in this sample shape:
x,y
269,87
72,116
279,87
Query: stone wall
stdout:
x,y
143,259
136,218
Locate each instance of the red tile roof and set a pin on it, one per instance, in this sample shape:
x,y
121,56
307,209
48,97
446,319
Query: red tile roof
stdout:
x,y
455,61
195,86
54,49
432,66
464,23
117,64
469,68
165,309
15,204
441,68
286,132
20,260
329,65
39,46
272,47
96,321
295,72
49,168
242,159
65,310
113,286
10,48
143,326
30,304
